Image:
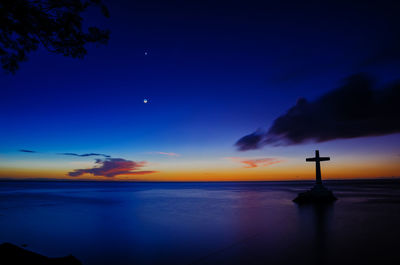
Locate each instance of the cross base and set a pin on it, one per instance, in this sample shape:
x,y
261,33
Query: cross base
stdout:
x,y
318,194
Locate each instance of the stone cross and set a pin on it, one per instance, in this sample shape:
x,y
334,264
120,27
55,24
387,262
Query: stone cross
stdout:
x,y
317,159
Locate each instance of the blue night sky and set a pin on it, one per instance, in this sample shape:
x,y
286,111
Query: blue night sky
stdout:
x,y
214,72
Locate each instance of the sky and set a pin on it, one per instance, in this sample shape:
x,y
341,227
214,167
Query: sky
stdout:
x,y
213,72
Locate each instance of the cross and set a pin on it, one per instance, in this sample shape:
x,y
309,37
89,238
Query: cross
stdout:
x,y
317,159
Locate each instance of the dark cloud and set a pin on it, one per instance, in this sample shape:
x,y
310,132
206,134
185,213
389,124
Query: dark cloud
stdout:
x,y
354,110
111,167
26,151
84,155
251,141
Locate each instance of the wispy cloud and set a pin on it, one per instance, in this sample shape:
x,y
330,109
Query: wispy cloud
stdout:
x,y
165,153
68,154
111,167
84,155
256,162
26,151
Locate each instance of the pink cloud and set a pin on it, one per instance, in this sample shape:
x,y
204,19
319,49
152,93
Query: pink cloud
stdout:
x,y
111,167
166,153
258,162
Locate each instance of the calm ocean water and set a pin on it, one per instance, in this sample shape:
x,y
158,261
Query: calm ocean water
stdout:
x,y
203,223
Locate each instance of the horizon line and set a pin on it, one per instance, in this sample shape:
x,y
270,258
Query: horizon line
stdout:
x,y
187,181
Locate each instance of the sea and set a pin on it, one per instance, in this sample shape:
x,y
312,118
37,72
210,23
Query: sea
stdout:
x,y
121,223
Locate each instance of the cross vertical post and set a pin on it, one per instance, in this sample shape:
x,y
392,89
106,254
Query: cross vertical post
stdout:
x,y
317,159
317,168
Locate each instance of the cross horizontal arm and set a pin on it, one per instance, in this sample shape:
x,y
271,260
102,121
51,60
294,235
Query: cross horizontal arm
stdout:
x,y
313,159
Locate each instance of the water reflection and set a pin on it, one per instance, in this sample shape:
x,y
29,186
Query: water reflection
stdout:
x,y
202,223
316,222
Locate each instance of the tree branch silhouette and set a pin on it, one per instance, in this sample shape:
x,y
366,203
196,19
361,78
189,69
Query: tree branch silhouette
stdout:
x,y
55,24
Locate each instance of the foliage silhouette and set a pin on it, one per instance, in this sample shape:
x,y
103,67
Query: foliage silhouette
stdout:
x,y
56,24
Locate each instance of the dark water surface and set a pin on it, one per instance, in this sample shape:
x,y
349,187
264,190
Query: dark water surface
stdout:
x,y
203,223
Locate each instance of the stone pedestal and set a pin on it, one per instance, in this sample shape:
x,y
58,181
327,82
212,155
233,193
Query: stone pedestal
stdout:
x,y
318,194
